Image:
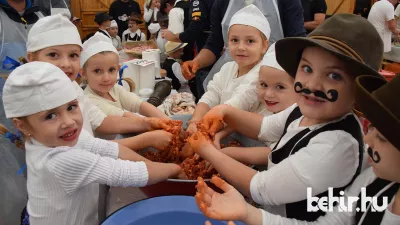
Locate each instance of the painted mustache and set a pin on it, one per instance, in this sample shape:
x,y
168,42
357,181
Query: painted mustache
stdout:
x,y
374,155
298,88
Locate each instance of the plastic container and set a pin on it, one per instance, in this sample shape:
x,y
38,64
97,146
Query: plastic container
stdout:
x,y
169,210
387,74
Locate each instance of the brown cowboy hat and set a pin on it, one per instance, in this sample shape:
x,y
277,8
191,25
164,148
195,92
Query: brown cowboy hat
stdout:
x,y
349,37
136,17
377,99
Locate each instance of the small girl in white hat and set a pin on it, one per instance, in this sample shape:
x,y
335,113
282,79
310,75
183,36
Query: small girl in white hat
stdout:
x,y
99,62
248,42
66,164
113,31
174,52
271,93
54,39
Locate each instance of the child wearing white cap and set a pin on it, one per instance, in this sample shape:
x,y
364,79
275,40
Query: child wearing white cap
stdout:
x,y
65,164
113,31
56,40
273,93
99,68
248,36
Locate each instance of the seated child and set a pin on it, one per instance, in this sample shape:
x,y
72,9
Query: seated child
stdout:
x,y
65,164
133,33
65,52
274,91
99,68
319,139
104,21
248,42
113,31
174,51
378,101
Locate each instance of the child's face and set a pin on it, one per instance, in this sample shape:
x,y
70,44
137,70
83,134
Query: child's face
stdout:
x,y
65,57
57,127
326,88
246,45
389,165
101,72
112,31
133,26
275,89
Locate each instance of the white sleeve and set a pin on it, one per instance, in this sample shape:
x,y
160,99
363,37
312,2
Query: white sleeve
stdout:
x,y
147,13
98,146
389,12
273,126
96,115
153,28
129,100
75,168
123,37
329,160
247,99
397,11
214,90
143,37
389,218
176,68
176,21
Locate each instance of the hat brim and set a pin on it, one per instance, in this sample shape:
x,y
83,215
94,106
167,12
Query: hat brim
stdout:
x,y
176,49
289,51
374,110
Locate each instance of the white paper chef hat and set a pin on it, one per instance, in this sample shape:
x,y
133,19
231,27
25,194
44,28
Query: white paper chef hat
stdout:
x,y
270,59
113,23
252,16
52,31
96,44
35,87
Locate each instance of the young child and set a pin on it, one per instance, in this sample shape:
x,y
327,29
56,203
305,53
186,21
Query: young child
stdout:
x,y
274,93
104,21
174,52
377,99
133,33
99,68
319,139
65,164
248,42
54,39
113,31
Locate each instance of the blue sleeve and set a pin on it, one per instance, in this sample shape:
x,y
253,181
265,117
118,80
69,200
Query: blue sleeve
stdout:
x,y
199,18
291,13
215,41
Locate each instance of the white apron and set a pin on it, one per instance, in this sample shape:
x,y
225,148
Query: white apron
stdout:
x,y
271,12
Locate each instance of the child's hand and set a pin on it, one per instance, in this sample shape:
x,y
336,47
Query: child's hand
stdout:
x,y
227,206
198,142
192,128
156,123
217,140
160,139
213,120
181,175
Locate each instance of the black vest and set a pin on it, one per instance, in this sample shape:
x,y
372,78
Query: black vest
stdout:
x,y
188,51
167,65
298,210
373,218
128,37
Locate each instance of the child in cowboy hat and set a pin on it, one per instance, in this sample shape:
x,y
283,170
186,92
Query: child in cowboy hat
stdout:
x,y
54,39
319,142
133,33
248,36
174,52
99,68
377,100
274,93
66,164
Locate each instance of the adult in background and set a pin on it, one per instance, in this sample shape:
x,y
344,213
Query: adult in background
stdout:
x,y
284,16
314,13
51,7
120,10
381,16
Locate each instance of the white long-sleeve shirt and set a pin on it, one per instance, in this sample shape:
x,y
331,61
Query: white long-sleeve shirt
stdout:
x,y
330,159
92,116
336,217
176,18
63,182
225,84
149,12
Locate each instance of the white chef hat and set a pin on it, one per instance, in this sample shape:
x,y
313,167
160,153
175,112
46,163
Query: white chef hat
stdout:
x,y
270,59
113,23
96,44
35,87
52,31
251,16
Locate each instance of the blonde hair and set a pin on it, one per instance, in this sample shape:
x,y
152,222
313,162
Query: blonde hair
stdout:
x,y
16,139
